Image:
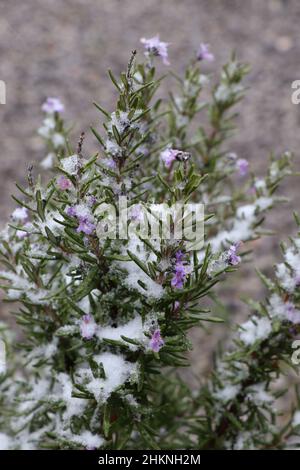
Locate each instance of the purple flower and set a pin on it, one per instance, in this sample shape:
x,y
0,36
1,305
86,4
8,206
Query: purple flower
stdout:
x,y
64,183
85,226
84,219
91,201
178,277
156,47
232,257
71,211
110,163
156,341
180,272
88,326
179,255
204,54
168,156
242,166
292,314
53,105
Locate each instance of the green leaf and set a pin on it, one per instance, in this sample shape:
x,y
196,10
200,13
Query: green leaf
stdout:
x,y
138,262
149,441
114,80
50,236
106,419
102,110
89,283
98,137
166,185
40,205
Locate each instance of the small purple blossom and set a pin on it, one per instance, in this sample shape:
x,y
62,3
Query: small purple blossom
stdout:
x,y
156,47
168,156
178,277
85,226
292,313
84,219
64,183
204,53
53,105
91,201
180,272
156,341
71,211
232,257
88,326
242,165
179,255
110,163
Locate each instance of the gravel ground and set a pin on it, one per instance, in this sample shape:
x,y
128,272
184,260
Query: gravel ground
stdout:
x,y
55,48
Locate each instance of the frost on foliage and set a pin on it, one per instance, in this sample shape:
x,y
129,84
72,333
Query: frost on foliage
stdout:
x,y
255,329
243,224
5,441
243,220
133,330
116,372
244,379
258,394
70,164
229,392
283,310
135,275
86,439
288,273
51,221
102,317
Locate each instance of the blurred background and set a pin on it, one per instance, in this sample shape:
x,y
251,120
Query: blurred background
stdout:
x,y
63,49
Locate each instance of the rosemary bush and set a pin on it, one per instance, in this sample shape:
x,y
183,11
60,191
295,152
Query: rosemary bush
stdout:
x,y
105,321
